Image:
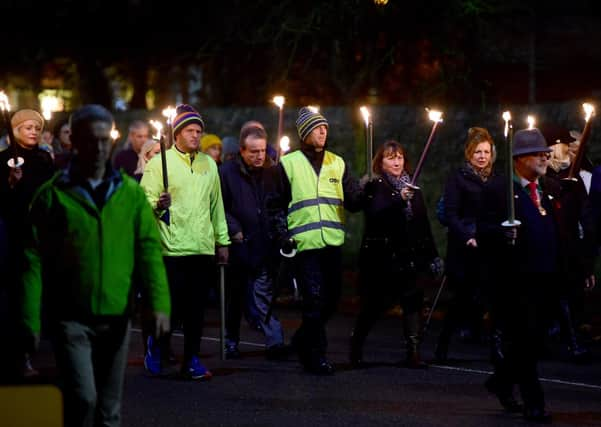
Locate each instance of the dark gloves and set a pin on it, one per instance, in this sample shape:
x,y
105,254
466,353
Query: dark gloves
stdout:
x,y
288,247
437,267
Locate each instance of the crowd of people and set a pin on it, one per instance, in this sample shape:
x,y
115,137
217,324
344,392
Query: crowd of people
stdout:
x,y
90,230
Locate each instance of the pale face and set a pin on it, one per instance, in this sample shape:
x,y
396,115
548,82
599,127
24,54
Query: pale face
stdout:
x,y
254,151
393,164
156,149
138,137
188,139
482,155
533,165
317,137
214,151
28,134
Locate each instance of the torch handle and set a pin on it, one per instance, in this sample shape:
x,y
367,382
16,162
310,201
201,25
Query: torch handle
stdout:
x,y
11,136
370,148
510,195
577,162
164,164
422,158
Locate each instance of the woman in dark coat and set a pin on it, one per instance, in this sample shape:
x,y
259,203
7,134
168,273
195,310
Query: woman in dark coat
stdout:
x,y
17,187
462,207
397,244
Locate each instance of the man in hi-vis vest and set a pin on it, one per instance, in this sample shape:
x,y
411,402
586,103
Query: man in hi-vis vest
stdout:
x,y
307,212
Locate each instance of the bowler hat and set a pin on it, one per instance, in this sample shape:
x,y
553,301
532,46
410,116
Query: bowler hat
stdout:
x,y
529,141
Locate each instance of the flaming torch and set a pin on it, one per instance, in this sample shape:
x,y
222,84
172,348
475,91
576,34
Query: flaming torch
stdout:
x,y
16,161
589,112
436,117
369,139
169,114
283,148
159,137
508,134
531,122
279,101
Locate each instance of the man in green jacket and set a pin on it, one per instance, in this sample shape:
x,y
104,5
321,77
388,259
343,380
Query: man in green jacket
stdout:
x,y
195,227
92,230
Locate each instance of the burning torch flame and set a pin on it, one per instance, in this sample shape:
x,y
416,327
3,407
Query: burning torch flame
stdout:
x,y
169,113
365,114
4,104
531,122
507,118
279,101
313,108
589,110
49,104
115,134
435,116
159,127
285,144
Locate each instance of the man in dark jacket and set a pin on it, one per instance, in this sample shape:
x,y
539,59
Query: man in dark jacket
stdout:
x,y
127,158
244,183
526,262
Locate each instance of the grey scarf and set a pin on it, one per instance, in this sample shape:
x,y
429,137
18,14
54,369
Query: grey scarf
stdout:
x,y
398,183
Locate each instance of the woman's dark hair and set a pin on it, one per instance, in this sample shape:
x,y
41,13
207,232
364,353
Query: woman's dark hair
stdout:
x,y
389,148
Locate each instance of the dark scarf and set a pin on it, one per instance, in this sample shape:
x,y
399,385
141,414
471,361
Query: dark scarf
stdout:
x,y
398,183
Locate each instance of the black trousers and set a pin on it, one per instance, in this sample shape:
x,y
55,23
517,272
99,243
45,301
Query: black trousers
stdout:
x,y
188,287
520,310
319,277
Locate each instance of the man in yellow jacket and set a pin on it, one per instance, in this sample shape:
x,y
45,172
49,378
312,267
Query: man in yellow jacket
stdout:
x,y
307,212
196,226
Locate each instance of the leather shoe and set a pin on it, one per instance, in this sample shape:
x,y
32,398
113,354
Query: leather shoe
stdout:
x,y
506,398
538,415
320,366
277,352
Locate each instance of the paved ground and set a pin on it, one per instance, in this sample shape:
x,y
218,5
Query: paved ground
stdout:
x,y
254,391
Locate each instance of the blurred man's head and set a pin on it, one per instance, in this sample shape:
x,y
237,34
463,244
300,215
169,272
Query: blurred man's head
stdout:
x,y
139,132
91,127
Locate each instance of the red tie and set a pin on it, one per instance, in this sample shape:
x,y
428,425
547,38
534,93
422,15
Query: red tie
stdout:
x,y
533,193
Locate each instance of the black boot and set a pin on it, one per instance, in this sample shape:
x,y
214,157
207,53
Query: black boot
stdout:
x,y
576,352
356,350
411,326
504,393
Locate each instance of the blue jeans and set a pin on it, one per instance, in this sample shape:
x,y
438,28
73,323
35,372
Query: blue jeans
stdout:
x,y
260,283
91,358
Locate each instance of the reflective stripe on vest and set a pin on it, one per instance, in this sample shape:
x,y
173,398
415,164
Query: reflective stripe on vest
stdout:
x,y
316,212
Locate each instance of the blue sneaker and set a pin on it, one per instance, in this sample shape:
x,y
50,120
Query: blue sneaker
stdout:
x,y
152,358
195,370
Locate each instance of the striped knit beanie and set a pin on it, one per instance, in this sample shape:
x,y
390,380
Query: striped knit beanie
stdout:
x,y
185,115
307,121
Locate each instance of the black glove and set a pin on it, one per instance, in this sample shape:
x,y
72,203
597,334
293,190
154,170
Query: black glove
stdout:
x,y
288,245
437,267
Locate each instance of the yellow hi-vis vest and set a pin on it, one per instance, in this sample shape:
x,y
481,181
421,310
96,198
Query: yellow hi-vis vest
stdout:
x,y
316,212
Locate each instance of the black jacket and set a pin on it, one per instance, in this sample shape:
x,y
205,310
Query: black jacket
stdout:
x,y
392,241
463,205
244,193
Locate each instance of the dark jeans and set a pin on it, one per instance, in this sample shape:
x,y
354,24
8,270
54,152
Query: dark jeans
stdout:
x,y
188,288
319,278
256,285
91,358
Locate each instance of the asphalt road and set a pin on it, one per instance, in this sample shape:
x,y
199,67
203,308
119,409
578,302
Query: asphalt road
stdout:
x,y
257,392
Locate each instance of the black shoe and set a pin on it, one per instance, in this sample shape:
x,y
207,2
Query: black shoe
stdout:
x,y
538,415
413,361
320,366
277,352
232,352
578,354
506,399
